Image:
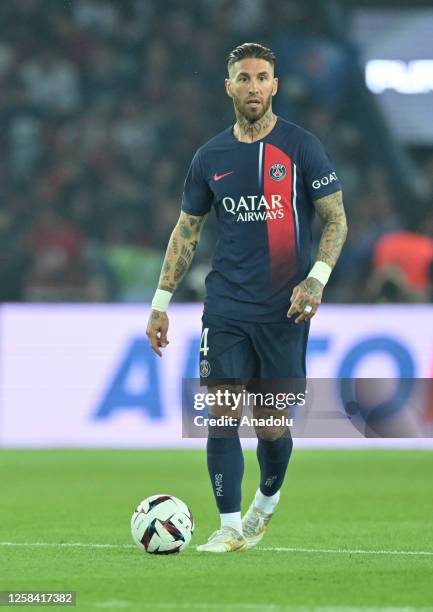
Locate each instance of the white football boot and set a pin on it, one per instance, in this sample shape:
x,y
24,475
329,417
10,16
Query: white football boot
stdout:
x,y
226,539
254,525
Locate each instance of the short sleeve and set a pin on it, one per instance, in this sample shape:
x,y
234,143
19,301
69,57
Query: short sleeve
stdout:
x,y
319,174
197,197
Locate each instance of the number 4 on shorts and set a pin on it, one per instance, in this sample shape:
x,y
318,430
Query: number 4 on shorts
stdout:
x,y
204,348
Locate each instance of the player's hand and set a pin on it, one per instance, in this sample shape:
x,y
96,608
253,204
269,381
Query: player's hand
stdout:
x,y
307,293
157,328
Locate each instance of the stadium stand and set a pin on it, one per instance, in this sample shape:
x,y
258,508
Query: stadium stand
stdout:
x,y
103,105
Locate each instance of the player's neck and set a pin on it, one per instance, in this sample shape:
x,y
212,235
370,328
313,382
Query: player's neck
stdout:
x,y
245,131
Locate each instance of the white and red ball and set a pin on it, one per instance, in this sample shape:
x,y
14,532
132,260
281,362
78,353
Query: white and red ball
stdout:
x,y
162,525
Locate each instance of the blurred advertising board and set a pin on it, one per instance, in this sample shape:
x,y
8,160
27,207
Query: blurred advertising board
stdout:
x,y
84,375
396,51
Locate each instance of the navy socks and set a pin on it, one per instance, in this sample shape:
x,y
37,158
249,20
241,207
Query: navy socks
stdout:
x,y
273,460
225,462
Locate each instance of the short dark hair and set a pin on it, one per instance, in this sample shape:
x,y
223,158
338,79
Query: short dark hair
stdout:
x,y
250,50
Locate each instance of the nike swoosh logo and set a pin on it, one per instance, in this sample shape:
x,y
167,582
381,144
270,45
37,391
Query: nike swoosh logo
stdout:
x,y
218,177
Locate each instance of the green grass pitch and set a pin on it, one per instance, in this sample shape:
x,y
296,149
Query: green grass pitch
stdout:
x,y
363,502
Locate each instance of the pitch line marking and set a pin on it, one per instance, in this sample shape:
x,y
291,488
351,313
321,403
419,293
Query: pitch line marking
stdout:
x,y
222,607
334,551
113,603
67,545
341,551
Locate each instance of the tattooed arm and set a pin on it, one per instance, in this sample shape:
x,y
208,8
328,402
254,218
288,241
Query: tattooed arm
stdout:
x,y
180,251
178,257
330,210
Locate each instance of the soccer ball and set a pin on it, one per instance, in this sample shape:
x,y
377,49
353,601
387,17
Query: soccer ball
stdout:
x,y
162,525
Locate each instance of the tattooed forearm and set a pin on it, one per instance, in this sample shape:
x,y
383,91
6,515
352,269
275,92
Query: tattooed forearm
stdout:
x,y
330,209
182,266
180,251
165,274
185,232
188,251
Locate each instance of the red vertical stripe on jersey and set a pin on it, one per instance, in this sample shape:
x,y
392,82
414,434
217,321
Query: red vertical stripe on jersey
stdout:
x,y
281,232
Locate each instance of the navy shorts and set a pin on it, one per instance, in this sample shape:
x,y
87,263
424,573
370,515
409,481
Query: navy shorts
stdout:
x,y
239,351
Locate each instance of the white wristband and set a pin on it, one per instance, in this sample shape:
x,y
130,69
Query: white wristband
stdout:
x,y
161,300
321,272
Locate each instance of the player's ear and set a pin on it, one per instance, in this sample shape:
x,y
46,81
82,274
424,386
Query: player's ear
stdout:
x,y
228,84
275,87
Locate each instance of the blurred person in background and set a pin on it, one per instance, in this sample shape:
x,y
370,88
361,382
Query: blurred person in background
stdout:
x,y
52,82
402,264
56,247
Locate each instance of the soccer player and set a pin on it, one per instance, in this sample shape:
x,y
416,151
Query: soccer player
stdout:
x,y
265,178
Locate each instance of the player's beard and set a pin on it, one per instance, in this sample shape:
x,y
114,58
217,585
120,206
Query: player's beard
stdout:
x,y
251,115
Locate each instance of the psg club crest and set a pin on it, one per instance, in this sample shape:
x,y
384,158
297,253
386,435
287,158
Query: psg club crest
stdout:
x,y
277,172
204,368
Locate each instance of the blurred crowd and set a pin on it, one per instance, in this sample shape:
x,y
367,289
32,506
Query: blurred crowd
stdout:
x,y
104,103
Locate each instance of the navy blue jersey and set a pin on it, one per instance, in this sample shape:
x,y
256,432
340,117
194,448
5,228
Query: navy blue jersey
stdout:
x,y
262,193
